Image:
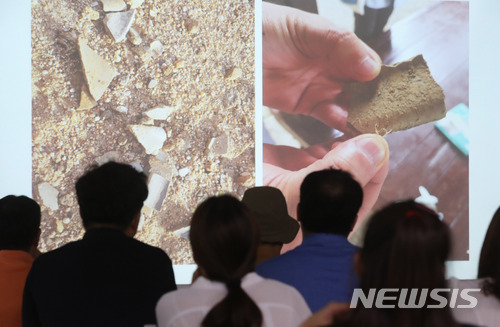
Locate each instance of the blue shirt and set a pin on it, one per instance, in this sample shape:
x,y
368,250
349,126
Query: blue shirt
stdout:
x,y
321,269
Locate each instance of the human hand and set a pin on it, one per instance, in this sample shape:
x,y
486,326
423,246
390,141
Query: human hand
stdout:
x,y
331,313
365,157
306,61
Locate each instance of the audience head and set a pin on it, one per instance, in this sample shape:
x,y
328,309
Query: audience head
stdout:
x,y
111,195
276,227
405,247
489,265
224,238
19,223
268,205
329,202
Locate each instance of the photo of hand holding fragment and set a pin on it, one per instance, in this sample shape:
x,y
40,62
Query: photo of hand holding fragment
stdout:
x,y
313,68
166,86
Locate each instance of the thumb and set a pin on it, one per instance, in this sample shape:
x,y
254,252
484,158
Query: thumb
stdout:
x,y
362,156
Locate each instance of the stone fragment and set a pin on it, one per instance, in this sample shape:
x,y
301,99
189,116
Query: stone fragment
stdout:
x,y
113,5
156,48
134,3
152,83
233,74
402,96
192,27
218,145
134,37
183,172
145,120
98,72
107,157
90,13
118,24
122,109
150,137
183,232
160,113
59,226
179,64
157,187
143,52
49,195
86,100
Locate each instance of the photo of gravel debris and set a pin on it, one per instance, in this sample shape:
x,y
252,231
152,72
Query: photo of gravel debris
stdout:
x,y
165,85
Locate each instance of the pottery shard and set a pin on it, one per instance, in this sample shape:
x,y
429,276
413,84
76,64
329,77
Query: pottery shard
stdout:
x,y
233,74
150,137
49,195
403,96
157,187
134,3
218,145
98,72
86,100
113,5
134,37
160,113
118,24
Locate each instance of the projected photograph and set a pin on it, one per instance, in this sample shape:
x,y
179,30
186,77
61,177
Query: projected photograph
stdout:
x,y
167,86
419,103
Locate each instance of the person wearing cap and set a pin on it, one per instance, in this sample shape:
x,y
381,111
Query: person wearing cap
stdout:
x,y
322,267
276,227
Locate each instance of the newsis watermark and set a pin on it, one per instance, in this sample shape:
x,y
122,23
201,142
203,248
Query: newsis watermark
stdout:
x,y
415,298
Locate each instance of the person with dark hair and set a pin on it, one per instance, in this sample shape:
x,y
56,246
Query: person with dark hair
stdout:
x,y
224,238
19,234
276,227
405,247
108,278
487,311
321,268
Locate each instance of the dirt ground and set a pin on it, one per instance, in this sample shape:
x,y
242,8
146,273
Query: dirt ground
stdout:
x,y
194,57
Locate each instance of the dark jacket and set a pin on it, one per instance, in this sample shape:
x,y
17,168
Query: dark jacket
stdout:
x,y
105,279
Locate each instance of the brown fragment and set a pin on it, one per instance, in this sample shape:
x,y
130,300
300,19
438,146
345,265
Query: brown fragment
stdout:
x,y
403,96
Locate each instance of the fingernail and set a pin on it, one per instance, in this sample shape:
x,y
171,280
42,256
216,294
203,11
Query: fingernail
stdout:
x,y
368,66
372,149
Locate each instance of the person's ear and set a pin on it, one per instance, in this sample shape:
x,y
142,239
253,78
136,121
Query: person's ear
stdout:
x,y
358,264
134,224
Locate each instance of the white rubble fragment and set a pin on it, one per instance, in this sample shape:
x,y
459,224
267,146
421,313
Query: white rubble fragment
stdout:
x,y
98,72
184,171
183,232
135,3
218,145
107,157
233,74
156,48
152,83
160,113
122,109
118,24
146,121
141,223
150,137
157,187
49,195
113,5
134,37
137,166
